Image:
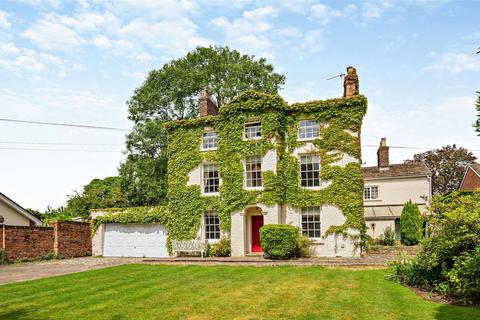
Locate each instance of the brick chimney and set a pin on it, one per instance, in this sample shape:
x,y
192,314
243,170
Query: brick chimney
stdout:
x,y
207,105
382,155
350,83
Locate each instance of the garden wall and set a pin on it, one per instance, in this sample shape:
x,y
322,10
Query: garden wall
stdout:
x,y
62,238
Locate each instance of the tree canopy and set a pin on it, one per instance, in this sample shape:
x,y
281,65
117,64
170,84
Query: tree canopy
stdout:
x,y
447,164
171,93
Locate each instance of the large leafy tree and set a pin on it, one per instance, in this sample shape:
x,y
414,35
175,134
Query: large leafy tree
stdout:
x,y
171,93
447,164
99,193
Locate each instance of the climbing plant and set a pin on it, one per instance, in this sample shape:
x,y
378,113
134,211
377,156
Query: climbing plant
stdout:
x,y
340,119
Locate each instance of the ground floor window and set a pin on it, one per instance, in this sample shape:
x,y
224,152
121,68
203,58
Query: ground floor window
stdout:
x,y
212,225
311,222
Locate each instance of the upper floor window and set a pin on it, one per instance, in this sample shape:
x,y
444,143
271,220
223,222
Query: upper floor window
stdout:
x,y
308,129
211,225
209,140
253,130
253,172
370,193
311,222
211,178
310,170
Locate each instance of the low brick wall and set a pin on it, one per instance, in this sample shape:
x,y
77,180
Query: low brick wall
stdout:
x,y
66,239
27,242
72,239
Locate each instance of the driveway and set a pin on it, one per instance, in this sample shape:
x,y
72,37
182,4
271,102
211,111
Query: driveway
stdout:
x,y
36,270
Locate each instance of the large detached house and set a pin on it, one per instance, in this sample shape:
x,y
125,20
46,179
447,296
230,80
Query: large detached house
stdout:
x,y
256,161
388,187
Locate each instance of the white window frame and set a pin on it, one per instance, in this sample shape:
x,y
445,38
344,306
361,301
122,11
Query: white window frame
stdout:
x,y
206,233
246,173
314,213
252,122
300,156
308,129
203,147
369,188
215,193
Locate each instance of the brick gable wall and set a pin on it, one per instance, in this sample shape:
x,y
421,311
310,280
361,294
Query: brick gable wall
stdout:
x,y
471,181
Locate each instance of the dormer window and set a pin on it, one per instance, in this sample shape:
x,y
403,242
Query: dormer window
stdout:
x,y
308,129
209,140
253,130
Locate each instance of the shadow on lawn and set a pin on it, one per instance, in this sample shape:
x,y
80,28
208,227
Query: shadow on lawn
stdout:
x,y
449,312
17,314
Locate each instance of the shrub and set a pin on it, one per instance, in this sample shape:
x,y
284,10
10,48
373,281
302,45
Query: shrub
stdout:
x,y
410,224
220,249
388,237
449,260
303,246
279,241
3,257
464,277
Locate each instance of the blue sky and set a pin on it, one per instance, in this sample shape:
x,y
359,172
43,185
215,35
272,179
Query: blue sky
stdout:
x,y
79,61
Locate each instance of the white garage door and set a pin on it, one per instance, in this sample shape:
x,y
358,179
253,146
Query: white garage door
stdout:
x,y
135,240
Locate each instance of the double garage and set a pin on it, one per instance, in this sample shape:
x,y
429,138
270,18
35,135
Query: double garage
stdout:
x,y
132,240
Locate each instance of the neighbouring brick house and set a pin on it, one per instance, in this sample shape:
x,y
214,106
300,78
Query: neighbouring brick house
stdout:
x,y
388,187
256,161
471,179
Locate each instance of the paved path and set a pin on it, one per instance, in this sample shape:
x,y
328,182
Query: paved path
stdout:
x,y
43,269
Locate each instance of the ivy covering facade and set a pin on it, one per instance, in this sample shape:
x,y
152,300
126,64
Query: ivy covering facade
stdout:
x,y
341,121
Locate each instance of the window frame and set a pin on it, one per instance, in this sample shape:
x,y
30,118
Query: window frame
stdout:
x,y
245,166
370,193
252,122
299,133
202,146
313,211
204,185
211,214
300,156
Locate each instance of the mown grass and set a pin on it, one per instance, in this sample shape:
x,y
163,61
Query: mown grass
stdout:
x,y
220,292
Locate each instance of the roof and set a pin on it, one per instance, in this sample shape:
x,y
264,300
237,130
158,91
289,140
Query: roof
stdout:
x,y
397,170
15,206
386,212
475,167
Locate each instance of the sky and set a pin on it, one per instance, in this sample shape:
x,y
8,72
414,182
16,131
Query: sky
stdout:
x,y
80,61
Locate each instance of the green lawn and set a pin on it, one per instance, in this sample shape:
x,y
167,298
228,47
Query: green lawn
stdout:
x,y
220,292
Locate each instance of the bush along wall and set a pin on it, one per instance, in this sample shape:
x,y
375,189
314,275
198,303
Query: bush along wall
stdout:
x,y
185,203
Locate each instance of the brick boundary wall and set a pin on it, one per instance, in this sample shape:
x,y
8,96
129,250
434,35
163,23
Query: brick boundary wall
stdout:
x,y
61,238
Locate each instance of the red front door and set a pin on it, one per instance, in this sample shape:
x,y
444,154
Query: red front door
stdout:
x,y
257,223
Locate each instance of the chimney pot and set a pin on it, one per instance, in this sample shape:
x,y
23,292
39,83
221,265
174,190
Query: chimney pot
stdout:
x,y
351,83
383,155
207,105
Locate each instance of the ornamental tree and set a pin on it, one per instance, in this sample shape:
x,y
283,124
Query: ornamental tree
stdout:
x,y
171,93
477,106
447,164
410,224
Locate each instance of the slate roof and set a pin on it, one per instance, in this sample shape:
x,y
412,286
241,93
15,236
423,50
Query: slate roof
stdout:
x,y
397,170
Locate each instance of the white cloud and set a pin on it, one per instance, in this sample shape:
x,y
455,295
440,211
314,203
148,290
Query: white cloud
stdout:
x,y
455,62
313,40
324,14
102,42
52,35
4,21
251,33
375,9
18,60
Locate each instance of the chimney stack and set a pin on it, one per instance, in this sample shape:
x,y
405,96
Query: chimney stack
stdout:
x,y
207,105
382,155
350,83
